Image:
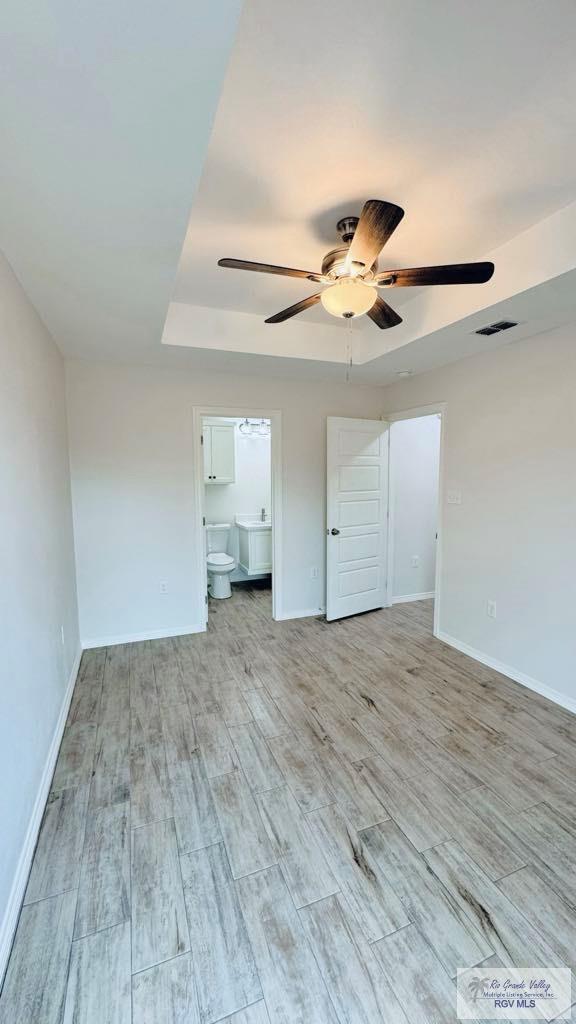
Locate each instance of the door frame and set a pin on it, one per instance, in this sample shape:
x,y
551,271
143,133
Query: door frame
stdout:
x,y
237,412
417,412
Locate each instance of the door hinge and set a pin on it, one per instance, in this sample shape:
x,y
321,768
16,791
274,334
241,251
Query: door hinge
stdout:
x,y
205,598
203,520
201,438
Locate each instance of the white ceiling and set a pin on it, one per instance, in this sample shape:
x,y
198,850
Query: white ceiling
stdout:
x,y
105,112
461,113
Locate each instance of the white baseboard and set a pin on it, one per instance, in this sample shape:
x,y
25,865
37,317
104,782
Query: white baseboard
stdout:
x,y
513,673
8,925
151,634
413,597
302,613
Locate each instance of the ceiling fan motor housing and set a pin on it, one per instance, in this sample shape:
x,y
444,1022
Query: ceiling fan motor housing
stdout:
x,y
334,264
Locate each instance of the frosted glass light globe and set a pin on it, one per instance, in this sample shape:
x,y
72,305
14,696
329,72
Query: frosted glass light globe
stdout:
x,y
348,297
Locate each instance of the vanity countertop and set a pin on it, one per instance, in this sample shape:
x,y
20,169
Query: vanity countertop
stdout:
x,y
253,523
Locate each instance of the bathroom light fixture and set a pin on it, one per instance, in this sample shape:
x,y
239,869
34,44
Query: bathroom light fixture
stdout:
x,y
246,427
348,297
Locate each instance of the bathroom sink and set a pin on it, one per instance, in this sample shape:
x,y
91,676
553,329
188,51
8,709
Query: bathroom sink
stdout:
x,y
253,524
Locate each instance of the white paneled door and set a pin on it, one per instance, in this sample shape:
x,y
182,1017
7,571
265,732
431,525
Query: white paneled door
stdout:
x,y
357,514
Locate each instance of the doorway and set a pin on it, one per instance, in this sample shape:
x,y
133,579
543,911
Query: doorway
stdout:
x,y
238,514
414,521
383,528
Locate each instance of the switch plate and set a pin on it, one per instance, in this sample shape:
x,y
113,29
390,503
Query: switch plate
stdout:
x,y
491,609
415,561
314,572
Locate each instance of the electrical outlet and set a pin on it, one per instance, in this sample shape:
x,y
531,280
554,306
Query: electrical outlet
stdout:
x,y
163,587
491,609
454,497
415,561
314,572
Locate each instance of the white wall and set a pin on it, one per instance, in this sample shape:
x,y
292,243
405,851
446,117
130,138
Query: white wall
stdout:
x,y
510,448
38,595
250,492
414,468
132,454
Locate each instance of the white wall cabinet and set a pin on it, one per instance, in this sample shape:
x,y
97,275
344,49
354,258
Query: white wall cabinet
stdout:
x,y
219,453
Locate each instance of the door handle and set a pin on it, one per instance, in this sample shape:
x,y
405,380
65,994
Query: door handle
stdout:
x,y
334,531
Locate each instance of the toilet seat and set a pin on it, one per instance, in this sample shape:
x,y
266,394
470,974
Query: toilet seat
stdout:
x,y
220,559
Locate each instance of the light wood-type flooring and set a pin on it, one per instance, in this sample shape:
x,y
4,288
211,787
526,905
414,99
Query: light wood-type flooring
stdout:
x,y
281,822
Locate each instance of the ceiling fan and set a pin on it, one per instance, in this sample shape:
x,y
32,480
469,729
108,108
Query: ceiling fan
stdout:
x,y
351,273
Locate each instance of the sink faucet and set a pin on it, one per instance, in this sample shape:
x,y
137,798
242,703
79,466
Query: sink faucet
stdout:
x,y
263,515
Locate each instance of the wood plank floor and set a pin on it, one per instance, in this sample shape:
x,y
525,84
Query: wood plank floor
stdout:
x,y
294,823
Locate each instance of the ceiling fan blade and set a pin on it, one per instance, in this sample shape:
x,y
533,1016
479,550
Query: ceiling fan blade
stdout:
x,y
377,222
454,273
269,268
383,315
298,307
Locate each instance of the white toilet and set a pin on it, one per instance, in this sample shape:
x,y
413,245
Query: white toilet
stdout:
x,y
219,563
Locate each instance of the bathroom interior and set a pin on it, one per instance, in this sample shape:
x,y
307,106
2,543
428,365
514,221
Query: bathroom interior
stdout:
x,y
238,511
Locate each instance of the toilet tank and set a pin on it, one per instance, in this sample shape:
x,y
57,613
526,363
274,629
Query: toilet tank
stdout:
x,y
217,537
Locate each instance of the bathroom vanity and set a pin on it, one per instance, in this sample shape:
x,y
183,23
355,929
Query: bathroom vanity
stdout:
x,y
254,544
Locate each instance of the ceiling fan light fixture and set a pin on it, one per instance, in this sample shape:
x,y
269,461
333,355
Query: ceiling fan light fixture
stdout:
x,y
348,297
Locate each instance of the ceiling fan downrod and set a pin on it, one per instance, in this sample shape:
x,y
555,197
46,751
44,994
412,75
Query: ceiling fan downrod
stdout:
x,y
346,228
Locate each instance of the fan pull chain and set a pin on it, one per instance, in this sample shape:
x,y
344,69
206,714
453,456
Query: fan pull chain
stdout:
x,y
349,341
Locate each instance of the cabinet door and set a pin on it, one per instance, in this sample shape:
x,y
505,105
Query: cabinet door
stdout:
x,y
223,461
260,551
207,449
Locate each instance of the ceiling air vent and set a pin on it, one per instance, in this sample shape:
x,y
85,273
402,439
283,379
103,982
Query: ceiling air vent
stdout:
x,y
500,325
